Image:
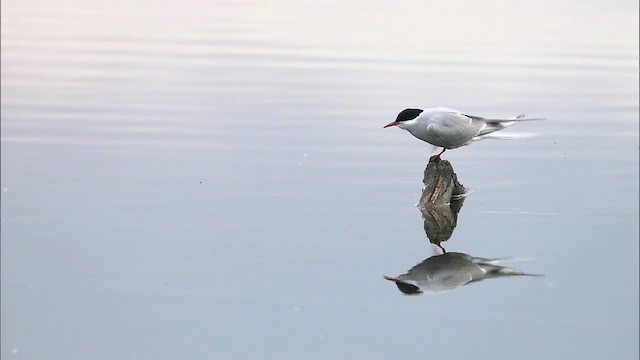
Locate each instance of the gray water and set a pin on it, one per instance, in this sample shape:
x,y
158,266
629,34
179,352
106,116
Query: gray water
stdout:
x,y
211,180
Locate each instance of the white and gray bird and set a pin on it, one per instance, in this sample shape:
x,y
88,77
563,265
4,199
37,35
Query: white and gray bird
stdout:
x,y
449,129
451,270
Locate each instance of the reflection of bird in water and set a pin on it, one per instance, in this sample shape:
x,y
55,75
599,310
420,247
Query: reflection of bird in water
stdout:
x,y
449,129
449,271
441,200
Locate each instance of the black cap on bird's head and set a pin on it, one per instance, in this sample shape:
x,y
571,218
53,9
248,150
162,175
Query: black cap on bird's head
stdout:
x,y
405,115
404,287
408,114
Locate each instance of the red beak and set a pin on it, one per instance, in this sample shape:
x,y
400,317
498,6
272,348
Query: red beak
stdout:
x,y
393,123
390,278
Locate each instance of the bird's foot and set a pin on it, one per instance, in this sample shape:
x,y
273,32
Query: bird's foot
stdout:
x,y
436,157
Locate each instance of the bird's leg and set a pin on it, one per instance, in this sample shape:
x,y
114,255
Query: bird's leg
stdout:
x,y
437,156
440,246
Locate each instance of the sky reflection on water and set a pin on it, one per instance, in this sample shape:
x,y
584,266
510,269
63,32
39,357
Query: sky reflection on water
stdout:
x,y
213,181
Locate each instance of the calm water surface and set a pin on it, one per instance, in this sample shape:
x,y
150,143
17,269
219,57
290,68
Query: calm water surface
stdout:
x,y
211,180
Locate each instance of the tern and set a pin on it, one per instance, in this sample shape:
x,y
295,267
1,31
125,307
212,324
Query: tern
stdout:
x,y
448,128
451,270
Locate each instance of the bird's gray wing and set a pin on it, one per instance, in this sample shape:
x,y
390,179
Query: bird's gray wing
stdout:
x,y
453,129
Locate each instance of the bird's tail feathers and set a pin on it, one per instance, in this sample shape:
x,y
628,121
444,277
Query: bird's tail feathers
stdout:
x,y
494,270
497,260
515,118
506,136
499,271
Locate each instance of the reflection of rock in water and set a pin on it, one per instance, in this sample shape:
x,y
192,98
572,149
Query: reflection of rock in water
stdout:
x,y
449,271
441,200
